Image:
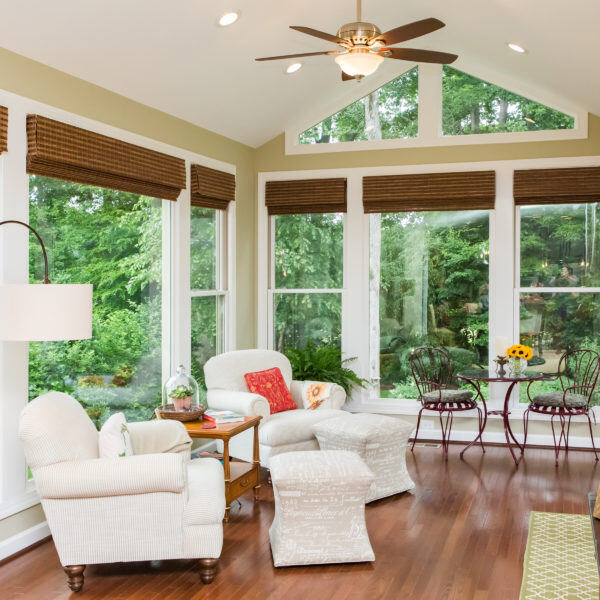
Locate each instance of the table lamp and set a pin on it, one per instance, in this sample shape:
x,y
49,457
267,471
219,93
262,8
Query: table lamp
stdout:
x,y
44,312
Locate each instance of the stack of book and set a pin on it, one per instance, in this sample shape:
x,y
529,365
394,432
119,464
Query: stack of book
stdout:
x,y
218,417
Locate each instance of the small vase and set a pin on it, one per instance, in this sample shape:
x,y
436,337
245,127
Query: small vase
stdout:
x,y
517,366
182,404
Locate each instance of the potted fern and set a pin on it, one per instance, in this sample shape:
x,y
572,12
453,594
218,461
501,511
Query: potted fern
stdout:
x,y
323,363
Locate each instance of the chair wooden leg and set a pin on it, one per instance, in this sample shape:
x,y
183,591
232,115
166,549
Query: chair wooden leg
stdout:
x,y
208,569
74,577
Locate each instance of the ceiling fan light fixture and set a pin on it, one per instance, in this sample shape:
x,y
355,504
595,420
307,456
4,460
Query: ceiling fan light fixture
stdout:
x,y
517,48
294,67
229,18
359,62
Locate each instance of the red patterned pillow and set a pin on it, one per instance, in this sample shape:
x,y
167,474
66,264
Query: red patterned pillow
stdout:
x,y
271,385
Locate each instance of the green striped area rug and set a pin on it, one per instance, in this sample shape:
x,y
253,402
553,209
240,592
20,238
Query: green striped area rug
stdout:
x,y
560,562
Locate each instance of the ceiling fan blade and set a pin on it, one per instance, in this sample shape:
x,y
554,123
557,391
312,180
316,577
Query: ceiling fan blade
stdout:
x,y
320,34
426,56
346,77
296,55
408,32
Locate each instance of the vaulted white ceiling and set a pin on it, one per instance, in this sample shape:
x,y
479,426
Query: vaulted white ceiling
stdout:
x,y
171,55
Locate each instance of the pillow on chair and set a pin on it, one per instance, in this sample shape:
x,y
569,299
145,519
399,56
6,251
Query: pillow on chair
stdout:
x,y
114,439
270,384
316,394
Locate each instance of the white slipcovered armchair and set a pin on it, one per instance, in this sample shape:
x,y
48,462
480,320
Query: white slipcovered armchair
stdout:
x,y
155,505
286,431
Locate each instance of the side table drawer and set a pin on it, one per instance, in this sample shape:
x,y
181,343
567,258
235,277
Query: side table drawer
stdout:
x,y
242,484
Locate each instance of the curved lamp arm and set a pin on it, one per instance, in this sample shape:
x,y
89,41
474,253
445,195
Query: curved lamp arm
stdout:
x,y
37,235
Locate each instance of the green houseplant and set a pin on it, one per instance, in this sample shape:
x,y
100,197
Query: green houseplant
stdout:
x,y
323,363
182,397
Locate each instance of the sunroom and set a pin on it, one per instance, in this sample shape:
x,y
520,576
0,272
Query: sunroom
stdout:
x,y
352,265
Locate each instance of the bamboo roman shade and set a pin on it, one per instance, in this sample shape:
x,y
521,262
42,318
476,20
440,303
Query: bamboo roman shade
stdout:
x,y
557,186
3,129
474,190
211,188
55,149
306,196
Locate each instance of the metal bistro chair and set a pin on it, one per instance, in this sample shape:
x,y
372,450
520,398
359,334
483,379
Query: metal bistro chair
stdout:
x,y
432,372
578,374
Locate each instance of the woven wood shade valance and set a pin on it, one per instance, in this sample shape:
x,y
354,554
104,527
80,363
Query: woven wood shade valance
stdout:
x,y
557,186
306,196
474,190
3,129
55,149
211,188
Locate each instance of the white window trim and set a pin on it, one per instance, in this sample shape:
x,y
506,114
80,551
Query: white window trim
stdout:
x,y
355,309
430,115
16,493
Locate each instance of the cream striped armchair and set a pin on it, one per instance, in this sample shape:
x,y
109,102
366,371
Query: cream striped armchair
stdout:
x,y
155,505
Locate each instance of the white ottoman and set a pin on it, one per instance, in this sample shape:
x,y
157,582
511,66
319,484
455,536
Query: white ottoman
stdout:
x,y
380,441
319,508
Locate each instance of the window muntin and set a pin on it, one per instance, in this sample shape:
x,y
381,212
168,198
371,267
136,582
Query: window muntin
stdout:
x,y
473,106
307,274
208,287
559,297
430,279
112,240
389,112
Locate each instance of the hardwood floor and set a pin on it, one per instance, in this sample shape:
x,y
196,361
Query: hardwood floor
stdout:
x,y
461,535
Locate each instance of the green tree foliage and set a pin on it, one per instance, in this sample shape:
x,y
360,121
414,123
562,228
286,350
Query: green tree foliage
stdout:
x,y
112,240
472,105
396,115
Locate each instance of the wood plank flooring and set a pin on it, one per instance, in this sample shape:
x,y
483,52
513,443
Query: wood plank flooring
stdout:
x,y
460,536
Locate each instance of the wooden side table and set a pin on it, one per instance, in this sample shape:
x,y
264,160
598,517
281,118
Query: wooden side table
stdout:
x,y
240,475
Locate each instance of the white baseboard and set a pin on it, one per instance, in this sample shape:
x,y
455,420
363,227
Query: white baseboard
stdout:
x,y
22,540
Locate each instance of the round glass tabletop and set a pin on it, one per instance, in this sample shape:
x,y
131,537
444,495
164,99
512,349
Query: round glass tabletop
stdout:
x,y
492,375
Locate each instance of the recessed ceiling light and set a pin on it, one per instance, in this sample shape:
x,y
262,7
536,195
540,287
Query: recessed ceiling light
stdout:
x,y
517,48
294,67
229,18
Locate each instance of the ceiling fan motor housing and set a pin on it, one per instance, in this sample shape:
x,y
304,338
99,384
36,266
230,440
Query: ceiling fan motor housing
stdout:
x,y
358,33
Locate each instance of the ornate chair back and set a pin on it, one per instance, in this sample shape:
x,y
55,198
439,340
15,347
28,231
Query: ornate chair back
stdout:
x,y
578,372
431,369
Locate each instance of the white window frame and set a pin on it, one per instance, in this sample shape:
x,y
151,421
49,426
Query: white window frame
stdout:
x,y
430,114
503,276
16,492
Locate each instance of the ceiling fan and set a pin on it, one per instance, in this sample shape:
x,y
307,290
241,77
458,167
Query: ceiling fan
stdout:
x,y
364,46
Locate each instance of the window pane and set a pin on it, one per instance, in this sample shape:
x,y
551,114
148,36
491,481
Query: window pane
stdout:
x,y
552,323
389,112
560,245
207,333
433,290
309,251
300,318
471,105
203,250
112,240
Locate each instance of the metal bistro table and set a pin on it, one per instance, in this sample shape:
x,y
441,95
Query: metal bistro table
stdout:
x,y
476,376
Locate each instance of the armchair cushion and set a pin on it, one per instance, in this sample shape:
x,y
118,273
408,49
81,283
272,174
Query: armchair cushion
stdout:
x,y
322,393
556,399
271,385
155,437
244,403
293,426
103,477
448,396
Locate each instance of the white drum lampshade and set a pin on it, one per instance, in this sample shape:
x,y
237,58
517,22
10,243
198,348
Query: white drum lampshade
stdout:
x,y
45,312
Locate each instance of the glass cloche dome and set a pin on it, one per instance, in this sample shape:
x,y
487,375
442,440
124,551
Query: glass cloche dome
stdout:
x,y
180,392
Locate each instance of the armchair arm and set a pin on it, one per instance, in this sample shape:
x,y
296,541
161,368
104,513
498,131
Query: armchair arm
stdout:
x,y
122,476
156,437
244,403
336,399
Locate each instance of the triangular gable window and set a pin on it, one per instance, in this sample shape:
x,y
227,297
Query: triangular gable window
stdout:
x,y
389,112
473,106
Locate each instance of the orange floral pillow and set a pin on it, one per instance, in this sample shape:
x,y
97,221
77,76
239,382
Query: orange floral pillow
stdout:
x,y
270,385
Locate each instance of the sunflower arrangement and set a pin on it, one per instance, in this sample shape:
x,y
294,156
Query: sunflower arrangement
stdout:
x,y
520,351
